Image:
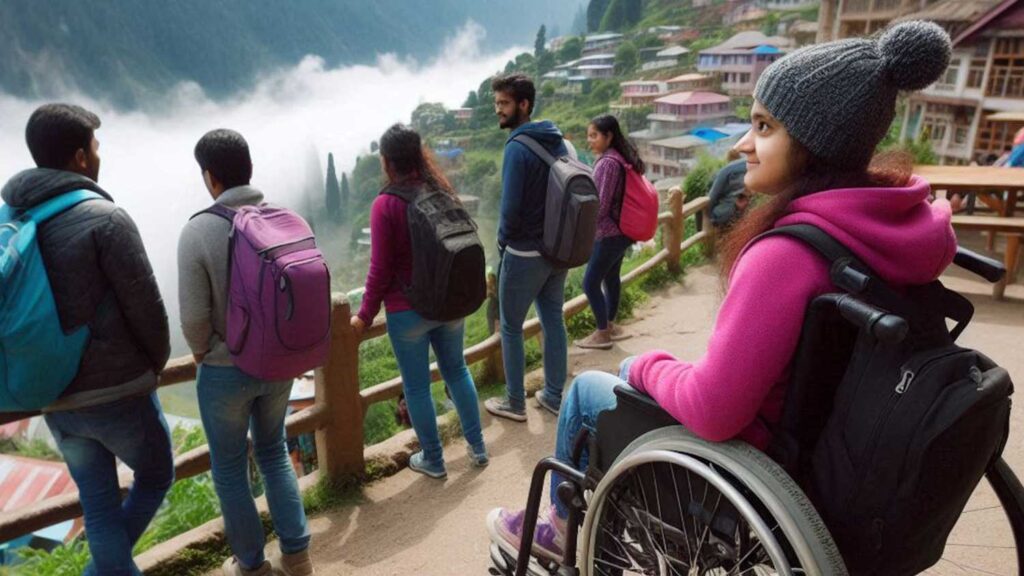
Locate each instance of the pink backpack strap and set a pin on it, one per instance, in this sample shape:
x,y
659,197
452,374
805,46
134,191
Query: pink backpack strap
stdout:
x,y
221,210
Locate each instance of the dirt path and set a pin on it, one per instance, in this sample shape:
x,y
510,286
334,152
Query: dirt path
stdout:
x,y
409,524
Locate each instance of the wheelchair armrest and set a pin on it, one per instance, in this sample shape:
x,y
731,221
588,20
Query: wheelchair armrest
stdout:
x,y
635,414
637,400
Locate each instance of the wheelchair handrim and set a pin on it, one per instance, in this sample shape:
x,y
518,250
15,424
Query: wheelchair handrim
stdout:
x,y
733,495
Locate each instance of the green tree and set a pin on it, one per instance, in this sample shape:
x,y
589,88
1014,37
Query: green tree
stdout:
x,y
472,101
595,14
698,181
539,43
571,50
615,19
431,118
345,193
627,58
332,193
545,63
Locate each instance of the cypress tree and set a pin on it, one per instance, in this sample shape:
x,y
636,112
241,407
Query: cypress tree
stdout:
x,y
539,42
345,192
332,192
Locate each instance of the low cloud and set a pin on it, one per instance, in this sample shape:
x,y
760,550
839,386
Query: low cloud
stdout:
x,y
292,119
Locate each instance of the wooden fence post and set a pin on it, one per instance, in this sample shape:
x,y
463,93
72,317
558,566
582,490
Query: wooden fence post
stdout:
x,y
339,442
674,233
494,368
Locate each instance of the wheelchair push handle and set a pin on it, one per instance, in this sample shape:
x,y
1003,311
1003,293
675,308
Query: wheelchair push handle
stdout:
x,y
885,327
988,268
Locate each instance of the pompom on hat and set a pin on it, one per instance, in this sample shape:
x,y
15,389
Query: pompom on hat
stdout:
x,y
839,98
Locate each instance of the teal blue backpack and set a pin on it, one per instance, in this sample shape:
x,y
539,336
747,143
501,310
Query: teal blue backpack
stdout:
x,y
37,359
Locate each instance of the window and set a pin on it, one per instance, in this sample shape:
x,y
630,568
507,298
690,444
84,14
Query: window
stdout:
x,y
976,74
949,79
960,135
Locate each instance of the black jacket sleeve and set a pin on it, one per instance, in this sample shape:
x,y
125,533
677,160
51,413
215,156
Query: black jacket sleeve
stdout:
x,y
124,261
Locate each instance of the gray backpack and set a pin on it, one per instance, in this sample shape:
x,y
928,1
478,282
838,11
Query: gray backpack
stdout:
x,y
570,210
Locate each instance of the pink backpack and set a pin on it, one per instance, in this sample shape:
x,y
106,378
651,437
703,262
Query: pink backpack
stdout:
x,y
638,213
279,293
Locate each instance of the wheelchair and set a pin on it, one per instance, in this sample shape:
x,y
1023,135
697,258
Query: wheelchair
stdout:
x,y
657,500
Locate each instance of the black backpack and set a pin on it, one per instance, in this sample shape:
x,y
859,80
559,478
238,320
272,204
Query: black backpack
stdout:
x,y
888,435
448,263
570,208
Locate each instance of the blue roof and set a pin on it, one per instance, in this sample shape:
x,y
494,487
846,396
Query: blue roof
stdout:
x,y
709,134
765,49
450,153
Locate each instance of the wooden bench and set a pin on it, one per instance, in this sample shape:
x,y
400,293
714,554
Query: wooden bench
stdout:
x,y
1013,227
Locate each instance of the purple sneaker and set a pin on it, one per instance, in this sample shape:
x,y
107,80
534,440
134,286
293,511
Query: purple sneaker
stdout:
x,y
506,527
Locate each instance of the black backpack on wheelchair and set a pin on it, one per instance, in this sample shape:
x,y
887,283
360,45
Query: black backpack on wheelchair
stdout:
x,y
887,428
888,424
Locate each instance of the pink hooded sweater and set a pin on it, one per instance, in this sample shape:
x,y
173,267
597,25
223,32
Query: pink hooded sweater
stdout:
x,y
737,389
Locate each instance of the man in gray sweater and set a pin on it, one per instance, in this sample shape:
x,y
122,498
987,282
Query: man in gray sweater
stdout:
x,y
230,401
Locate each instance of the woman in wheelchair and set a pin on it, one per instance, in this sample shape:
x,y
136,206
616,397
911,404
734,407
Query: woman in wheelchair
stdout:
x,y
817,117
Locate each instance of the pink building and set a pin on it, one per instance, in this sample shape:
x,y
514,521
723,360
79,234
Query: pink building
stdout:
x,y
641,92
684,110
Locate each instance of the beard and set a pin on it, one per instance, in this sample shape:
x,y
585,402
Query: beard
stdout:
x,y
505,122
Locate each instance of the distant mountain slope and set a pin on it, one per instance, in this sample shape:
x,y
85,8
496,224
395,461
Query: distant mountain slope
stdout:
x,y
126,49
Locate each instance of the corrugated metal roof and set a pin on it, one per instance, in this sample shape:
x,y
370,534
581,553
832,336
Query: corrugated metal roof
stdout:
x,y
25,481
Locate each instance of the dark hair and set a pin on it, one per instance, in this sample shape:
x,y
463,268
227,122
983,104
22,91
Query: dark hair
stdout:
x,y
886,170
55,132
608,124
225,154
407,160
519,86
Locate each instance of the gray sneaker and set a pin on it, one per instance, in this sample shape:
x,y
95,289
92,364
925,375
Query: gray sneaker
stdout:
x,y
297,564
231,567
547,403
502,408
479,459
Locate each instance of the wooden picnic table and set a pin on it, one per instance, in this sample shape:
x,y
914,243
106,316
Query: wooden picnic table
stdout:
x,y
999,188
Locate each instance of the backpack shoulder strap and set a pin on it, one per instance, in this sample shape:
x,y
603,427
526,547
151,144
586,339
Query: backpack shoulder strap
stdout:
x,y
407,193
225,212
536,148
839,256
58,204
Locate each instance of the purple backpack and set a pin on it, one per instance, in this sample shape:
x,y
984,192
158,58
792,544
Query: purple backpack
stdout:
x,y
279,293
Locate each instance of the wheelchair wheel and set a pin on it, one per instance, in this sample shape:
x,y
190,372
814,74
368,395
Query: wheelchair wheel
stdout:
x,y
673,504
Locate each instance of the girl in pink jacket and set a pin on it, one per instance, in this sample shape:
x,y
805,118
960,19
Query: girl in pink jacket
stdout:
x,y
817,117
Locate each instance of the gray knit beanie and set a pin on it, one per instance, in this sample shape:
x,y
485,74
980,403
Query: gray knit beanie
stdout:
x,y
838,98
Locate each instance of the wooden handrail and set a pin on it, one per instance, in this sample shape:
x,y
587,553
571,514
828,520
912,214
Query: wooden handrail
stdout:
x,y
339,408
192,463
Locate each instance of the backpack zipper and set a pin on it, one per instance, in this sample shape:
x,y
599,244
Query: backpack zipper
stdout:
x,y
907,377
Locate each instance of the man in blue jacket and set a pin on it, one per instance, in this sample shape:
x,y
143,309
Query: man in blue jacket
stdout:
x,y
524,275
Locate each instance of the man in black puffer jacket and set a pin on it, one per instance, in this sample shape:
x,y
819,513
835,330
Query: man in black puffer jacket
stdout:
x,y
101,277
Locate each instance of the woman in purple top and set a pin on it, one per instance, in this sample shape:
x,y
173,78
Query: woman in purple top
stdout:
x,y
405,165
601,281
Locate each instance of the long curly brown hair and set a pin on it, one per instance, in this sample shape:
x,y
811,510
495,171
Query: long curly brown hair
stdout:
x,y
886,170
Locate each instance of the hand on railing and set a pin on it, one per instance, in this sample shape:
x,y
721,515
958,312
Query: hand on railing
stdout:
x,y
358,325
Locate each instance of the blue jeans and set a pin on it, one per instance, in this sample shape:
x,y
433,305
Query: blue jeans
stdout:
x,y
231,403
591,393
522,281
91,439
411,338
603,270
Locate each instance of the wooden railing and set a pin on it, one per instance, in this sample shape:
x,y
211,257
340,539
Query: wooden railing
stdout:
x,y
340,406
